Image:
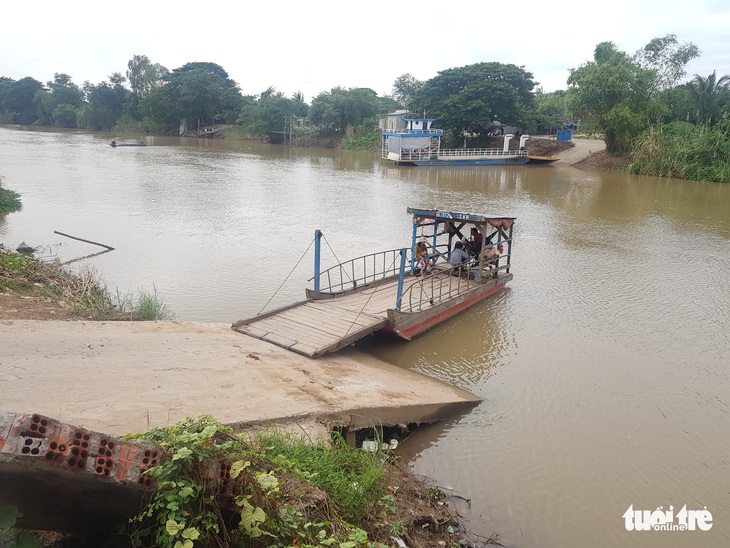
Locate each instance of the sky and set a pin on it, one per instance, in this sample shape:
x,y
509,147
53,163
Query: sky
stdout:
x,y
311,46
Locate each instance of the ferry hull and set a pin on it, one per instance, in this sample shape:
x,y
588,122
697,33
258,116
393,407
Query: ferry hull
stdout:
x,y
409,324
466,162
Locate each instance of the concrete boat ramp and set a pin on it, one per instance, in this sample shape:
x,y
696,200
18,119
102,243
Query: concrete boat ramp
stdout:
x,y
86,378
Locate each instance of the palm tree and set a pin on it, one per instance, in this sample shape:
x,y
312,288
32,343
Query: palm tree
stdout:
x,y
707,94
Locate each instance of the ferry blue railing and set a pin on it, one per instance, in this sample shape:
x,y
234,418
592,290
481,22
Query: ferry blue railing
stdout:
x,y
360,271
444,284
439,285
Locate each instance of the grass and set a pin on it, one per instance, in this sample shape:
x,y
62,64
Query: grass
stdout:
x,y
290,492
148,306
684,151
351,477
26,275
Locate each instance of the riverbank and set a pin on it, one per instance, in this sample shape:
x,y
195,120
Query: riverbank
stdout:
x,y
69,370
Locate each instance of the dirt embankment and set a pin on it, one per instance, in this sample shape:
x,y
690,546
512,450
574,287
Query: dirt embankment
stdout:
x,y
580,153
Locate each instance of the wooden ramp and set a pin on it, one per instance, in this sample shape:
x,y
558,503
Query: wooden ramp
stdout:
x,y
314,328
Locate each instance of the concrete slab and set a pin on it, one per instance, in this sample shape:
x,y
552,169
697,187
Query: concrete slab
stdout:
x,y
121,377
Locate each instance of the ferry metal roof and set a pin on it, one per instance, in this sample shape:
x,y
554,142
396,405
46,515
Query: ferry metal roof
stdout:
x,y
442,215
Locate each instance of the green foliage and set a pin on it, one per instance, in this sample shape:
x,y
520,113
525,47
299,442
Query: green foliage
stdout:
x,y
64,115
184,513
611,89
9,200
84,291
620,127
11,538
352,478
364,136
266,114
147,306
105,105
549,109
684,151
150,306
676,105
17,99
159,110
144,76
181,511
17,272
8,516
667,58
129,125
469,99
710,97
339,108
59,104
203,92
405,87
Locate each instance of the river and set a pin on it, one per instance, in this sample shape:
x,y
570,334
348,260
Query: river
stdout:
x,y
603,366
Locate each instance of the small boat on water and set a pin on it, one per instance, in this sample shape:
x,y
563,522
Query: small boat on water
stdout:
x,y
116,144
541,159
388,291
413,142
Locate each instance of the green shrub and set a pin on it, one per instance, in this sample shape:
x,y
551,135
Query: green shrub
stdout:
x,y
184,512
683,151
9,200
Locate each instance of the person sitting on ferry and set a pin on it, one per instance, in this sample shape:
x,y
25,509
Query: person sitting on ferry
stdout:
x,y
491,259
421,256
476,241
459,257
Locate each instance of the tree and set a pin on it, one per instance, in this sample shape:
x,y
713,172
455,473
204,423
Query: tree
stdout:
x,y
469,99
159,110
338,108
677,105
18,100
613,80
61,91
117,79
204,93
64,115
105,104
144,76
266,114
708,96
549,109
405,87
668,58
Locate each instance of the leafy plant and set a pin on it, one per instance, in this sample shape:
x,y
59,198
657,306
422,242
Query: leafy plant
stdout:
x,y
11,538
184,511
181,511
9,200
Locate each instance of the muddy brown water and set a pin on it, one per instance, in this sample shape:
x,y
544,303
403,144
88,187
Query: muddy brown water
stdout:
x,y
604,366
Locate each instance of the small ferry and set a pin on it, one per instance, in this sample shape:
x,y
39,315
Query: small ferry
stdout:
x,y
393,291
115,144
414,142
